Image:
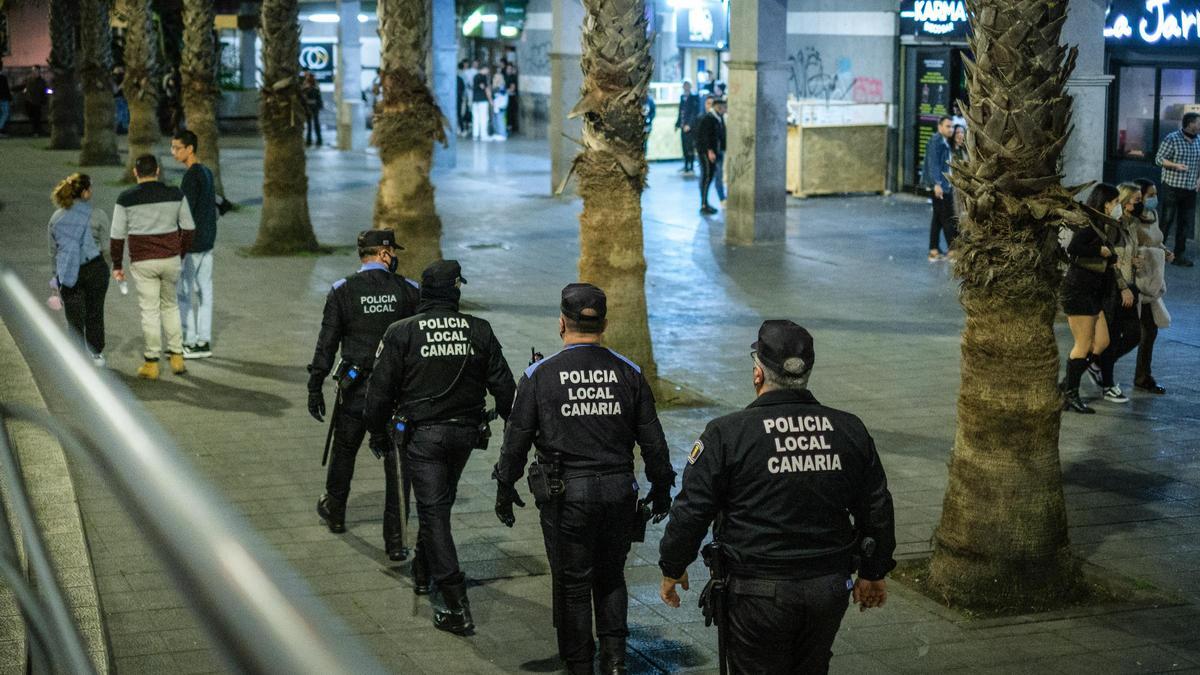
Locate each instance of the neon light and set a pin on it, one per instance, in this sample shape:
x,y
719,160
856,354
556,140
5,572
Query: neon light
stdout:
x,y
323,18
472,22
509,31
1162,24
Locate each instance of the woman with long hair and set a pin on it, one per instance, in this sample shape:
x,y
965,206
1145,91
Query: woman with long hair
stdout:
x,y
1152,285
1121,301
313,103
80,273
1088,279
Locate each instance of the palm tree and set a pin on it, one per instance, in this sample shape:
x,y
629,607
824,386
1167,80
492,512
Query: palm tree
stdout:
x,y
1002,540
612,168
64,102
285,226
406,124
140,42
198,71
99,145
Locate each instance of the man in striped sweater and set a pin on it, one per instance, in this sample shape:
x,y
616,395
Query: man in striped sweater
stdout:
x,y
157,222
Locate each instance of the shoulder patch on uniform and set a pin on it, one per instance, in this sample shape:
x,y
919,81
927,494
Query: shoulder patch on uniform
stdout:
x,y
339,283
379,349
695,453
626,360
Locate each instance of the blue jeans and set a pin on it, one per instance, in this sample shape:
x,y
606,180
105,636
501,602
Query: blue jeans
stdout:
x,y
5,111
196,317
719,176
499,127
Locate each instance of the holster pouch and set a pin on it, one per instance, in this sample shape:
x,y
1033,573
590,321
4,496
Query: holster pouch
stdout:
x,y
637,524
712,598
545,483
347,376
401,430
485,431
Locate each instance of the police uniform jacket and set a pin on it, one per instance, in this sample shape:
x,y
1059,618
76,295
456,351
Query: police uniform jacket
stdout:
x,y
437,366
358,310
590,405
782,478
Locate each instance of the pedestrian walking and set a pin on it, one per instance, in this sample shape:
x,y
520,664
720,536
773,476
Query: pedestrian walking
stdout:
x,y
80,273
121,116
499,107
1089,280
1121,304
431,375
710,145
196,276
781,479
157,222
35,100
1152,286
936,171
358,309
461,86
583,409
514,100
313,104
1179,157
481,104
685,121
6,99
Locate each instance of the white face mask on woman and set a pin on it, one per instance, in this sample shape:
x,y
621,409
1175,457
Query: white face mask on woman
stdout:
x,y
1116,212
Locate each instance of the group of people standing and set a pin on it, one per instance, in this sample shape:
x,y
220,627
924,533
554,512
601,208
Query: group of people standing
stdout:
x,y
487,101
36,95
169,233
702,134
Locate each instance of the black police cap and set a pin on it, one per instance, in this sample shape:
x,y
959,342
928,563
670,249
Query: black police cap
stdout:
x,y
372,238
579,298
784,347
442,274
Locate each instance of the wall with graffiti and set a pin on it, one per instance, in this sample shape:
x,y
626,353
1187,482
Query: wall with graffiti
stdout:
x,y
840,68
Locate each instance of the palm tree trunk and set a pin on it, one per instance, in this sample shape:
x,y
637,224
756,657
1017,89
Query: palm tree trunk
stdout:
x,y
1002,540
612,169
407,122
64,103
198,70
99,146
285,226
140,92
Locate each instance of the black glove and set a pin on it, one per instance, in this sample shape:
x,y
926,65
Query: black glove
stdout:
x,y
316,405
660,502
380,445
506,496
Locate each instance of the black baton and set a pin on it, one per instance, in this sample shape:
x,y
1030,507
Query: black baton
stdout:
x,y
337,404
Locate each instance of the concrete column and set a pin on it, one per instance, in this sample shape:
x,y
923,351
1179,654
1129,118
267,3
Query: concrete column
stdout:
x,y
757,122
566,79
1083,157
444,58
246,46
347,87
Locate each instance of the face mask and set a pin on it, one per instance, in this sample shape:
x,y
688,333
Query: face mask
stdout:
x,y
1116,212
393,264
1152,203
1138,208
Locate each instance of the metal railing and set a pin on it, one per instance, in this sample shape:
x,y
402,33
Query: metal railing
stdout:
x,y
258,613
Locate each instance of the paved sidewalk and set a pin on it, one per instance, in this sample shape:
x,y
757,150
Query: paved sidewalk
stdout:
x,y
852,270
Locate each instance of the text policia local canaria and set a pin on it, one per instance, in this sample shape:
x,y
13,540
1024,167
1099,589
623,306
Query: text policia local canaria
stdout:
x,y
584,397
792,434
444,336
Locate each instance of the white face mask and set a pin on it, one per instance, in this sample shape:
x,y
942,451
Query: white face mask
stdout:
x,y
1117,212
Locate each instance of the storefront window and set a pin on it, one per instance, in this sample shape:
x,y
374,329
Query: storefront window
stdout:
x,y
1135,113
1178,96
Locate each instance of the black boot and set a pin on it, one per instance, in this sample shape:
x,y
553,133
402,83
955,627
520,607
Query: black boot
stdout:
x,y
333,512
1070,386
420,573
574,668
1072,402
612,656
455,614
393,536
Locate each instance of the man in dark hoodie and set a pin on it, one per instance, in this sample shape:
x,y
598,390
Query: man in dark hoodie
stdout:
x,y
432,371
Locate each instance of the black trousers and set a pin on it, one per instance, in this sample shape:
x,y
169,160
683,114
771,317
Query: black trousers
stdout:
x,y
787,626
312,122
1143,374
708,171
83,303
943,221
689,149
1124,333
435,459
34,112
348,436
592,540
1179,212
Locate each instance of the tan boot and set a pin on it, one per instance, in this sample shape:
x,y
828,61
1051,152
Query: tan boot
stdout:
x,y
177,365
148,371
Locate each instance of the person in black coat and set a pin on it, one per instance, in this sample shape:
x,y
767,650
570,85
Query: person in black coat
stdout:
x,y
685,122
710,144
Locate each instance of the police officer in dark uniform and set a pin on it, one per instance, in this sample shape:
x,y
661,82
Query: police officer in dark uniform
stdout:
x,y
584,408
783,478
358,310
432,372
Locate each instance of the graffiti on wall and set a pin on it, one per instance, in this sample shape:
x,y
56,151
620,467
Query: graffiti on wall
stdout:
x,y
809,79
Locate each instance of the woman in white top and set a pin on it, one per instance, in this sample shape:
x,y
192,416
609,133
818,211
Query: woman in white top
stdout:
x,y
1152,285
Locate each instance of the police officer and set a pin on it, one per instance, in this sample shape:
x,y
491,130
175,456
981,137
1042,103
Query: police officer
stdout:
x,y
783,478
584,408
432,371
358,310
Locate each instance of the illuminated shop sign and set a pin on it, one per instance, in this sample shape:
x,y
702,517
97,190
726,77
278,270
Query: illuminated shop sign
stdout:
x,y
1154,22
934,18
702,24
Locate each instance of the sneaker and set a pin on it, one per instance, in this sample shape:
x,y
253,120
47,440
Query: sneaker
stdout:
x,y
1114,394
177,366
707,210
200,350
1093,372
98,360
149,370
934,256
1150,386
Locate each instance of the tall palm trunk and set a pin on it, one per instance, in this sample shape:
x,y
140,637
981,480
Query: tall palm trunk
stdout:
x,y
140,92
285,226
407,122
64,103
1002,539
99,145
612,169
198,70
